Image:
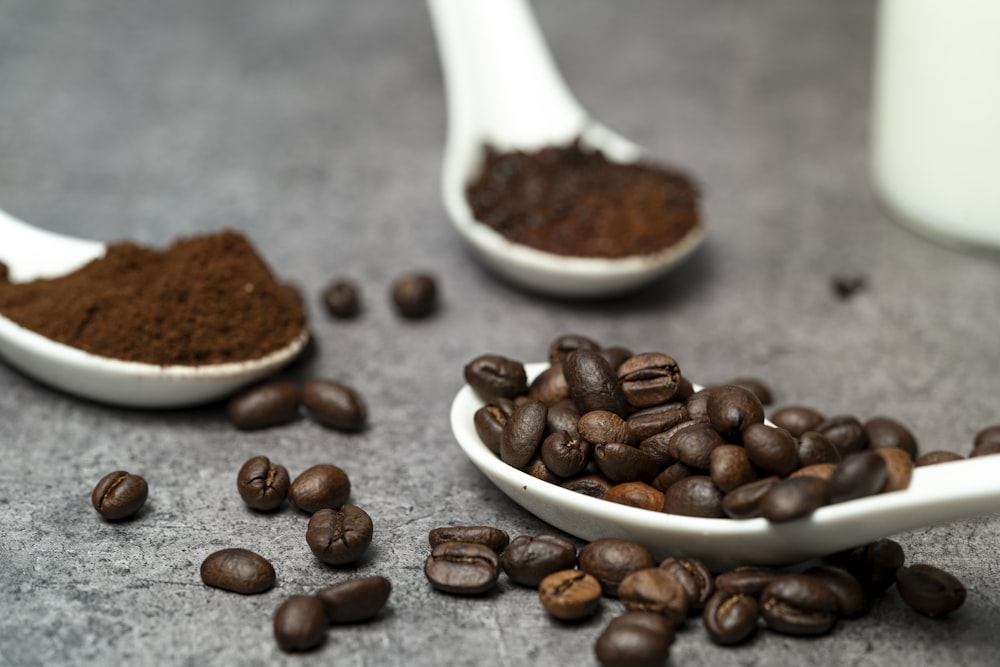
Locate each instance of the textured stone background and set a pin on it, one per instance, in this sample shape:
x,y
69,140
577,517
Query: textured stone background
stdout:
x,y
317,129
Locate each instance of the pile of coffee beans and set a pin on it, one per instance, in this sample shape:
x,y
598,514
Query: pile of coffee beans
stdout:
x,y
276,402
414,295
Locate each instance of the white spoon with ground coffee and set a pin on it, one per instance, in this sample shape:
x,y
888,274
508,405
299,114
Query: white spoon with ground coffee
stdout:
x,y
29,253
504,91
937,493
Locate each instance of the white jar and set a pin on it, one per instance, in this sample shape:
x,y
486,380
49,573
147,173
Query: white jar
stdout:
x,y
936,117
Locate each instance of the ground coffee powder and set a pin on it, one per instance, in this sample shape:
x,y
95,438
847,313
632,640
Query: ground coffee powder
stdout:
x,y
573,201
206,299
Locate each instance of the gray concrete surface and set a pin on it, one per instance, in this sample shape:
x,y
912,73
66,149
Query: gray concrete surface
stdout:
x,y
317,129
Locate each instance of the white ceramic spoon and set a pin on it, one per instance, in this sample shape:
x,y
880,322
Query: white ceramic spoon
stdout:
x,y
937,493
31,253
503,90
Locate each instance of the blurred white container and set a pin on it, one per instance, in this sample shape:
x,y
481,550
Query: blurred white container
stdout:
x,y
936,117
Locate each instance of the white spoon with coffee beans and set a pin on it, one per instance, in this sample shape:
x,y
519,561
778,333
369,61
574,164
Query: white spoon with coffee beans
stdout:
x,y
503,89
937,493
29,253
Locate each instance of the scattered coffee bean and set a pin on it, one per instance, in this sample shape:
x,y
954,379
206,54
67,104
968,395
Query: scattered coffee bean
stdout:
x,y
730,618
339,537
860,474
495,376
262,485
238,570
355,600
846,286
570,595
852,601
462,568
530,558
494,538
334,405
610,560
119,495
874,564
415,295
694,575
635,639
657,590
746,580
300,623
323,486
342,298
798,604
930,590
793,498
797,419
270,403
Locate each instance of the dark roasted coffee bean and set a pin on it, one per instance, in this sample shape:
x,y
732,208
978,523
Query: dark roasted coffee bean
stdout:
x,y
697,404
635,639
793,498
656,590
566,344
531,558
658,446
636,494
693,445
355,600
756,386
985,449
600,426
565,455
798,604
262,484
339,537
730,618
694,575
730,467
549,386
731,409
743,502
595,486
570,595
650,421
852,601
845,433
860,474
622,463
898,468
119,495
267,404
612,559
494,376
797,419
494,538
649,378
522,433
821,470
462,568
937,456
489,421
563,416
771,449
300,623
415,295
593,384
238,570
746,580
987,437
887,432
816,448
334,405
694,496
615,355
673,474
342,298
930,590
536,468
4,272
874,564
323,486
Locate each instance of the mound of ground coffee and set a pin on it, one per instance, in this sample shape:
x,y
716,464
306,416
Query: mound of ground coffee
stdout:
x,y
576,202
206,299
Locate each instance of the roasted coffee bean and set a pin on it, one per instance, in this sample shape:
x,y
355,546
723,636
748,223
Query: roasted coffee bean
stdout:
x,y
262,484
649,378
570,595
342,298
771,449
593,384
323,486
695,576
563,416
694,496
693,445
4,272
635,639
636,494
489,421
930,590
845,432
937,456
884,432
697,404
987,437
415,295
339,537
522,433
860,474
615,355
898,468
494,538
647,422
756,386
814,448
852,601
549,386
743,502
565,455
730,467
119,495
730,618
566,344
658,446
798,604
985,449
731,409
531,558
793,498
601,426
622,463
611,559
656,590
462,568
355,600
874,564
595,486
673,474
238,570
797,419
821,470
334,405
270,403
494,376
300,623
746,580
